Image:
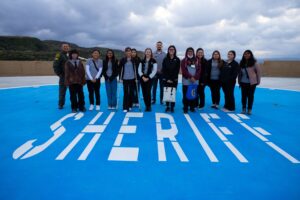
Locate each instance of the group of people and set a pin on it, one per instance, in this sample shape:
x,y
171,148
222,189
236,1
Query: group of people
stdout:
x,y
157,67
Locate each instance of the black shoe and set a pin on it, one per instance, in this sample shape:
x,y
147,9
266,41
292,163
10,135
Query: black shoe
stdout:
x,y
74,110
148,109
60,107
192,110
167,109
161,102
82,109
172,109
185,111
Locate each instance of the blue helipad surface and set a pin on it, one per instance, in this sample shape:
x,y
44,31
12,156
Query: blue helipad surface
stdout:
x,y
46,153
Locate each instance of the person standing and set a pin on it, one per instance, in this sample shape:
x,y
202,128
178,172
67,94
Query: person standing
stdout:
x,y
170,71
228,75
110,73
158,55
93,68
59,69
191,69
202,80
147,70
137,60
75,80
249,77
129,77
213,72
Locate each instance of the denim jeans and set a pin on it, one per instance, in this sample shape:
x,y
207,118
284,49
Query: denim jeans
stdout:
x,y
111,92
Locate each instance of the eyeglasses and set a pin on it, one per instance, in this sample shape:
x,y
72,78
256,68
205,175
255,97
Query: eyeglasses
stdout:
x,y
171,49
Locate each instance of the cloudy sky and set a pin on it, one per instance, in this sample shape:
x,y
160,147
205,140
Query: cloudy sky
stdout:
x,y
269,27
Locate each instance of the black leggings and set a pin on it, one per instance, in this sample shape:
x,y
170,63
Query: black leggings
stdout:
x,y
215,86
228,89
94,89
146,89
201,95
76,96
128,88
247,94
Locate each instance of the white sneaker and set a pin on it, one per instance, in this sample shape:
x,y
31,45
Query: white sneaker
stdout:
x,y
109,108
97,107
113,108
91,107
125,111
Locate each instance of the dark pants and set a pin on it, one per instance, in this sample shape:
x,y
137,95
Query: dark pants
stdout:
x,y
128,87
201,95
62,91
136,92
174,84
157,77
146,89
247,95
76,96
94,90
228,89
215,86
187,103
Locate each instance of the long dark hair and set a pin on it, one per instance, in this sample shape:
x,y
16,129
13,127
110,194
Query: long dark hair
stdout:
x,y
145,53
220,61
175,51
247,63
113,54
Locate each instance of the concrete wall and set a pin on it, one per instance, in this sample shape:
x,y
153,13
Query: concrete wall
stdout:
x,y
44,68
281,68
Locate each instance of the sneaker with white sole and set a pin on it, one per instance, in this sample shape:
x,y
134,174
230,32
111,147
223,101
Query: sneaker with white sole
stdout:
x,y
97,107
125,111
91,107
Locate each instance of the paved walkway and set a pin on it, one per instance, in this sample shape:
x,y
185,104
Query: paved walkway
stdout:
x,y
267,82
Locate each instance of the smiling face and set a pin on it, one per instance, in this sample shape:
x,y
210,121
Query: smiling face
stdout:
x,y
148,53
216,55
109,54
65,47
171,51
74,56
159,46
247,55
200,54
95,55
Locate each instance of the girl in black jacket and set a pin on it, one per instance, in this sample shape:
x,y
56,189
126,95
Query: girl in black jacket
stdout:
x,y
110,73
170,71
229,74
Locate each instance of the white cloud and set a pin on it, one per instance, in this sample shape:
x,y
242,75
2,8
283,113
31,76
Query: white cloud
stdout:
x,y
270,27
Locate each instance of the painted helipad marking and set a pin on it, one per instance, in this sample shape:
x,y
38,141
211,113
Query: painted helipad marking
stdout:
x,y
229,145
264,139
262,131
201,139
225,130
67,150
89,147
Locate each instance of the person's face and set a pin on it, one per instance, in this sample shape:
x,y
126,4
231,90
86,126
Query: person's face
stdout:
x,y
230,56
133,53
65,47
148,53
247,55
128,53
190,53
74,56
200,54
109,54
216,56
159,46
172,51
96,55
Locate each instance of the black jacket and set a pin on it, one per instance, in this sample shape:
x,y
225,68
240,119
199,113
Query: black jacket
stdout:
x,y
151,62
115,69
202,79
229,72
170,69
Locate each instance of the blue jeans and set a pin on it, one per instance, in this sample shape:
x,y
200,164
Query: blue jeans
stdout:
x,y
111,92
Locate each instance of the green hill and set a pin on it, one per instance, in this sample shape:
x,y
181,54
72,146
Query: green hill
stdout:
x,y
30,48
